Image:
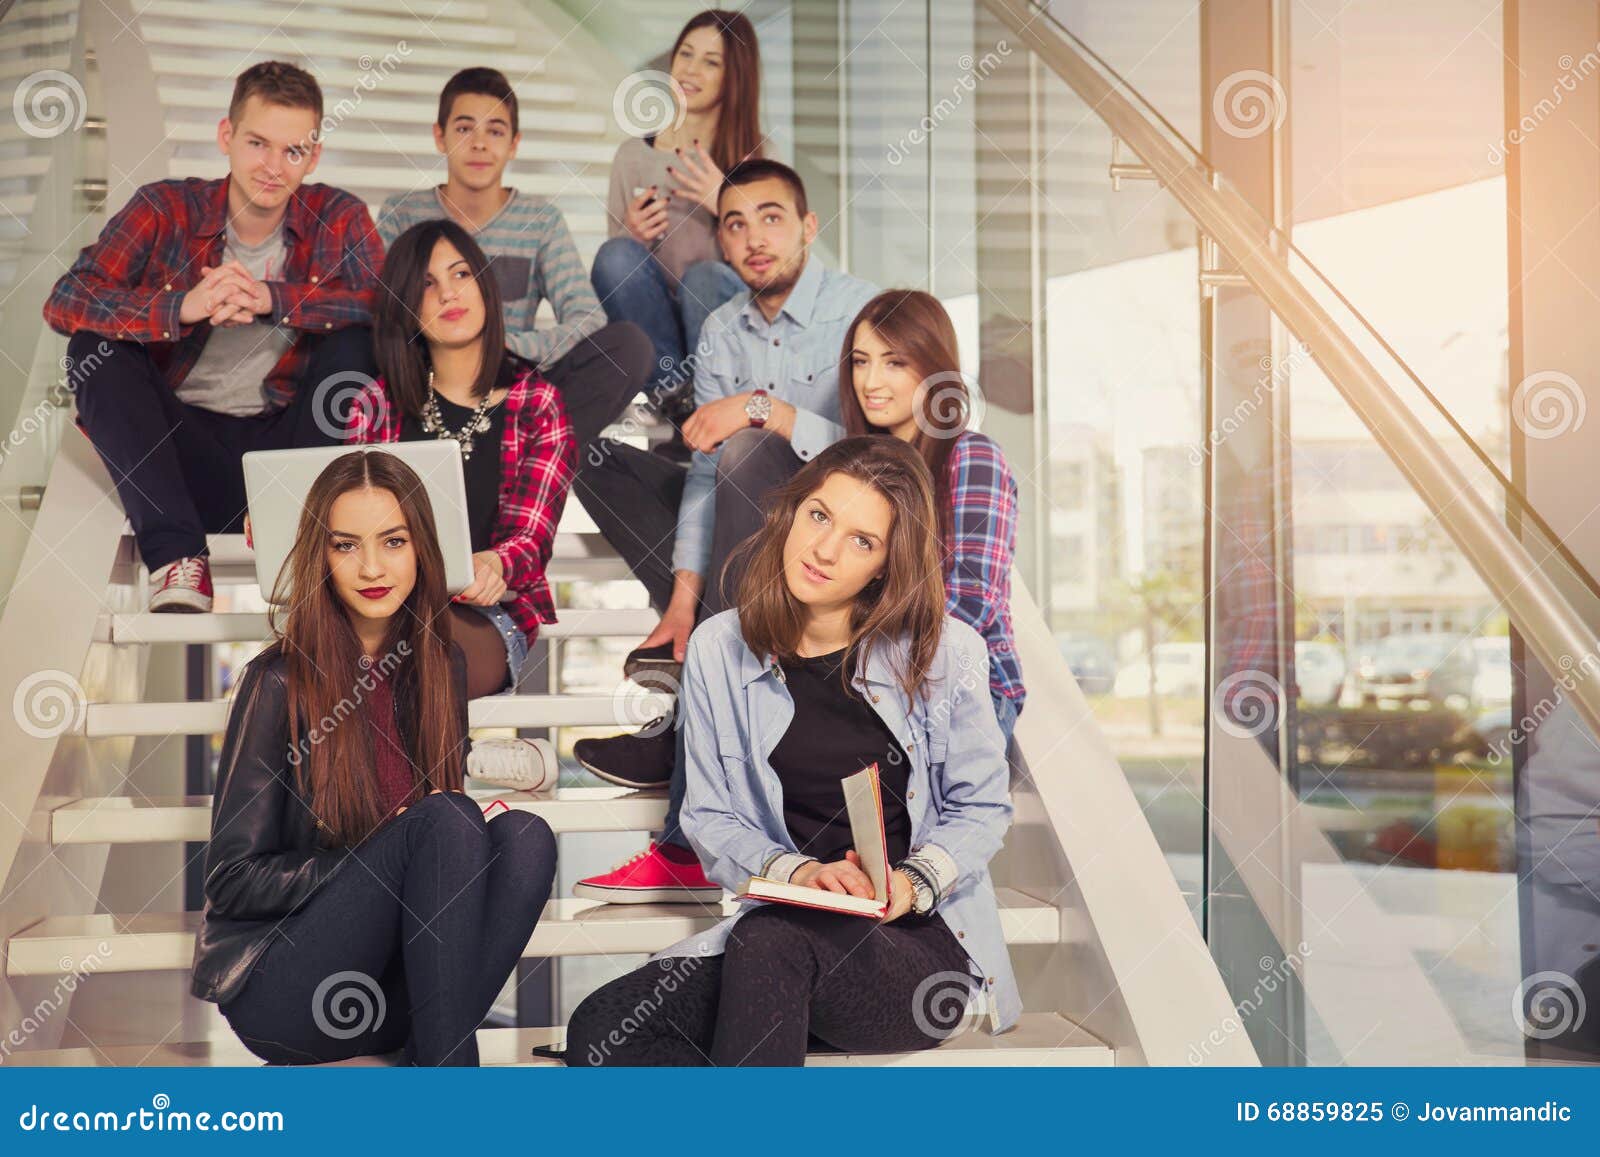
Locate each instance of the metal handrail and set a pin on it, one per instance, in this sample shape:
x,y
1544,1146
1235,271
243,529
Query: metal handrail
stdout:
x,y
1557,635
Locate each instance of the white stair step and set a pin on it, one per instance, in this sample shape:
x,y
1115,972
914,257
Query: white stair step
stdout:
x,y
209,717
585,557
425,9
207,98
417,136
425,171
47,36
164,941
252,626
28,65
1039,1040
445,25
416,113
17,205
365,53
130,820
15,168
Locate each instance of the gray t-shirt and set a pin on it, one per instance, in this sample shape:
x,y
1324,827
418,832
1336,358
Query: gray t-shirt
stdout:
x,y
237,359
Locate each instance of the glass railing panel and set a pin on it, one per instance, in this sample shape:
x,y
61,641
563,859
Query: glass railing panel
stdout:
x,y
48,145
1078,313
1398,847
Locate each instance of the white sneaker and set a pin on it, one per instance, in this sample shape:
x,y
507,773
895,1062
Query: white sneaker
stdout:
x,y
182,585
519,764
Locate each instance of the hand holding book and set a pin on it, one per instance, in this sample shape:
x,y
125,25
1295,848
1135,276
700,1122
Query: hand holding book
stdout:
x,y
845,876
855,885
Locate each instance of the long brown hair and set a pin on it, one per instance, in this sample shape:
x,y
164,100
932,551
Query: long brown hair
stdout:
x,y
906,600
328,674
739,108
914,324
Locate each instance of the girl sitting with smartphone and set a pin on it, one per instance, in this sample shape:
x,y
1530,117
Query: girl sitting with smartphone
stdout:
x,y
838,655
662,266
356,901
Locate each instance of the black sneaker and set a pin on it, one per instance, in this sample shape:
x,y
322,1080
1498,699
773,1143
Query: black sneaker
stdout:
x,y
653,665
641,760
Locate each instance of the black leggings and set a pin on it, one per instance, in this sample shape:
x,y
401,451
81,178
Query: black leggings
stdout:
x,y
407,945
790,979
488,671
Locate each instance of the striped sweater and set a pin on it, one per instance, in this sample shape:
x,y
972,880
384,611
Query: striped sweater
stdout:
x,y
533,256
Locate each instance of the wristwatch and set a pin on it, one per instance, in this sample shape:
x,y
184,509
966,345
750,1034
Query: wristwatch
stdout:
x,y
921,891
758,408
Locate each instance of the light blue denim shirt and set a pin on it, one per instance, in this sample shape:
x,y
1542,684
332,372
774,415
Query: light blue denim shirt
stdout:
x,y
794,357
736,708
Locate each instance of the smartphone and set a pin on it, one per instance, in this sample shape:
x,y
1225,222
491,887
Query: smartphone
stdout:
x,y
641,190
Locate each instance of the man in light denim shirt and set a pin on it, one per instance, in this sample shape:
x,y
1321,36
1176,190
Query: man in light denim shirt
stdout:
x,y
766,386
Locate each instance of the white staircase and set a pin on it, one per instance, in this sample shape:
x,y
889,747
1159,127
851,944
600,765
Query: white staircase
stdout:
x,y
381,67
1064,949
1111,966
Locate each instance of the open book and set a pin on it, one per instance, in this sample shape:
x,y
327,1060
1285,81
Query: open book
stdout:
x,y
863,801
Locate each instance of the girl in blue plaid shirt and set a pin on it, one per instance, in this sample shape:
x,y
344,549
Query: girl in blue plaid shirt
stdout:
x,y
900,374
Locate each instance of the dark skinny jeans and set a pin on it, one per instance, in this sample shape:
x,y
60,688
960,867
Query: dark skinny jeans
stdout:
x,y
407,945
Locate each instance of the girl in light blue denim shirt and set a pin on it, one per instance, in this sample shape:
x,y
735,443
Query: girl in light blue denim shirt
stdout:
x,y
838,654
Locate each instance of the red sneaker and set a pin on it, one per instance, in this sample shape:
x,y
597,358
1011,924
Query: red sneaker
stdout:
x,y
182,585
661,874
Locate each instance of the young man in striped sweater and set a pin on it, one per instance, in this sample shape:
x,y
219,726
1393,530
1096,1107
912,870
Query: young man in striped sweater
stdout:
x,y
597,367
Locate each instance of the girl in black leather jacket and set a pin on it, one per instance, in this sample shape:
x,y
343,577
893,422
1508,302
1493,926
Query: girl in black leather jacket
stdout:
x,y
356,901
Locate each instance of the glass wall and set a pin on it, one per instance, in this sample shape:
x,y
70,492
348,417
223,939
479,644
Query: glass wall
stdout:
x,y
1330,778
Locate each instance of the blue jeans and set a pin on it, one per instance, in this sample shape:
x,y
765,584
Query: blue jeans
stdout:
x,y
632,286
1005,711
516,642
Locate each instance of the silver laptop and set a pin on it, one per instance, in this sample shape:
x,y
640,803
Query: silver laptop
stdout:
x,y
276,483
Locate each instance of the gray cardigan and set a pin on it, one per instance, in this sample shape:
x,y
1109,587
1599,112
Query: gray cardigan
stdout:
x,y
691,234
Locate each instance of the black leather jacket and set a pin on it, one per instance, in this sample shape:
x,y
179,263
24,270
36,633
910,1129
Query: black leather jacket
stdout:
x,y
264,861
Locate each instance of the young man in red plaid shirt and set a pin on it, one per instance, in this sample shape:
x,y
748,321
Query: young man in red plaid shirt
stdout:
x,y
212,318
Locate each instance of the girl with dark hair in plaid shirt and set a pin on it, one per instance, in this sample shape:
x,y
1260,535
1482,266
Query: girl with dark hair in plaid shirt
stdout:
x,y
446,373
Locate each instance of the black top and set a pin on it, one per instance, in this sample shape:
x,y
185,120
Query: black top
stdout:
x,y
482,470
836,733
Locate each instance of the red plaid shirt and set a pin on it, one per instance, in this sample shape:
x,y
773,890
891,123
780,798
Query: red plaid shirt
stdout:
x,y
129,284
538,457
